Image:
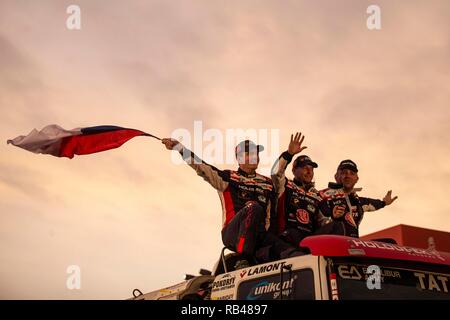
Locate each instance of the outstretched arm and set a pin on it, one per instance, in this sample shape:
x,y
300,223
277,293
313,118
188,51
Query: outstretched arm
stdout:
x,y
216,178
279,167
369,204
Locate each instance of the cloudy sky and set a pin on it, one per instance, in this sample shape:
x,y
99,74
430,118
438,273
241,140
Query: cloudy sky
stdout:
x,y
130,217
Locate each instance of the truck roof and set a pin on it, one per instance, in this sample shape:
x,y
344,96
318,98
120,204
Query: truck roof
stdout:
x,y
341,246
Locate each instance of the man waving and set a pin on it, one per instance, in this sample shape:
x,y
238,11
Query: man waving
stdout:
x,y
247,198
298,200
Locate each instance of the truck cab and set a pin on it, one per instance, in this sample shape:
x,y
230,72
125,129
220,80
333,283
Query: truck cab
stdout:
x,y
337,267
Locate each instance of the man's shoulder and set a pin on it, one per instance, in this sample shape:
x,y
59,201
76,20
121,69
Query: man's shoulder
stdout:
x,y
263,178
290,184
330,193
313,191
259,178
325,193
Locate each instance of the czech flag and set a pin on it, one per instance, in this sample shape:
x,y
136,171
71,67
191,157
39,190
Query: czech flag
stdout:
x,y
59,142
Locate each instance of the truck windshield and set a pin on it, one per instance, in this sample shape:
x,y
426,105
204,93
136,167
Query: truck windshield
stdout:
x,y
384,279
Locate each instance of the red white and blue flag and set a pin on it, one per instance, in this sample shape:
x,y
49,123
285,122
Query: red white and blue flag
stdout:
x,y
59,142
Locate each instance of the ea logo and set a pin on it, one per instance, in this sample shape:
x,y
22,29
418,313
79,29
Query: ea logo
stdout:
x,y
302,216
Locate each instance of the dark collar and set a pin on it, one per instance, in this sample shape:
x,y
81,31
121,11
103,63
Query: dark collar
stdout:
x,y
245,174
305,187
334,185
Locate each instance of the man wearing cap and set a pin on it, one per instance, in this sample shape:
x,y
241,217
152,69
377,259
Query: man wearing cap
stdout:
x,y
247,200
344,206
298,210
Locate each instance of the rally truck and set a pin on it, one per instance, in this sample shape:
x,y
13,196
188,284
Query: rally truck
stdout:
x,y
336,267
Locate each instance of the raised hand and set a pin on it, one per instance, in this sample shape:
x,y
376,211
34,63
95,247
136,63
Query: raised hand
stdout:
x,y
388,198
295,146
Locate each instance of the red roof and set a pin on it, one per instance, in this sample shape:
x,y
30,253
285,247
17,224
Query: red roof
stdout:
x,y
340,246
414,237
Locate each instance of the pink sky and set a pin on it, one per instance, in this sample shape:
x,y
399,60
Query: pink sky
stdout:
x,y
130,218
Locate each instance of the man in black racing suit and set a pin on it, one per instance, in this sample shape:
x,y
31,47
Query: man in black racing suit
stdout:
x,y
299,202
248,202
344,206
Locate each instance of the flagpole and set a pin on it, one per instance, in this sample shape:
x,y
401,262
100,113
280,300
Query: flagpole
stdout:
x,y
150,135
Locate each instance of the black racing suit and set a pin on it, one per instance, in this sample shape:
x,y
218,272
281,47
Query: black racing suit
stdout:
x,y
355,206
248,208
298,210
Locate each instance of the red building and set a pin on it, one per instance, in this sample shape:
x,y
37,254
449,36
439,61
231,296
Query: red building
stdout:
x,y
414,237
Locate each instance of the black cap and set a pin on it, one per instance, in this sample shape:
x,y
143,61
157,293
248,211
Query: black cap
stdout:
x,y
348,164
304,160
247,146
